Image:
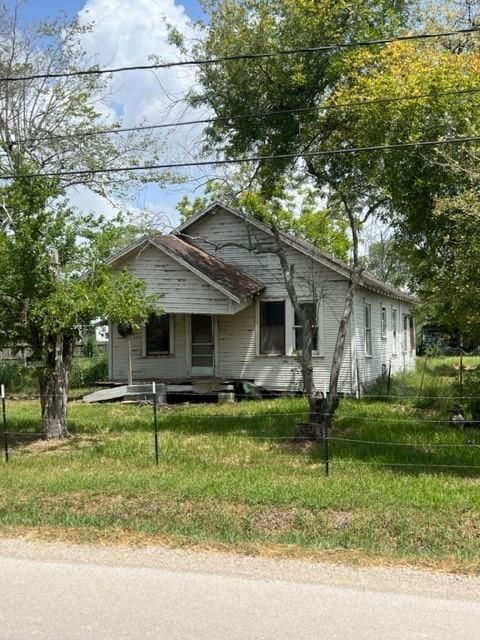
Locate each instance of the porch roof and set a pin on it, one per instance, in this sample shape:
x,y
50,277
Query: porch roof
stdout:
x,y
236,284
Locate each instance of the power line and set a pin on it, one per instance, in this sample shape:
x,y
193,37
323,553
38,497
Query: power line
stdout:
x,y
242,56
253,115
283,156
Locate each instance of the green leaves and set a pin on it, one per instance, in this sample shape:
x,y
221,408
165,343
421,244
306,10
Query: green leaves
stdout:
x,y
54,264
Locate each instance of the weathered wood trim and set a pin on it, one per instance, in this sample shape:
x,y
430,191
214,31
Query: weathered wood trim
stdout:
x,y
110,350
354,381
188,343
215,345
144,240
171,338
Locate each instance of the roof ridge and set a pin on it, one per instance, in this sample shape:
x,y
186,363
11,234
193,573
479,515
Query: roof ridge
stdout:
x,y
307,245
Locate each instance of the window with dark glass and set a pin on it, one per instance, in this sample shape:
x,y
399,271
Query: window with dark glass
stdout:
x,y
394,331
158,335
405,333
368,329
383,319
272,328
412,333
310,309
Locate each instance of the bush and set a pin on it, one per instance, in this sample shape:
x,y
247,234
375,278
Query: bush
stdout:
x,y
87,371
17,377
471,393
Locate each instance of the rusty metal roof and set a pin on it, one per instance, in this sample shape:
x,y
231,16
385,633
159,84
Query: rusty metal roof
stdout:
x,y
235,282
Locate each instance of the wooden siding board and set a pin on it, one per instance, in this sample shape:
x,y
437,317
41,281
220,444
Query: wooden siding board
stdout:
x,y
237,339
370,368
152,367
179,290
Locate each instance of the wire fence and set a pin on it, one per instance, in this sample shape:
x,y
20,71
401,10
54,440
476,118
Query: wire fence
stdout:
x,y
335,447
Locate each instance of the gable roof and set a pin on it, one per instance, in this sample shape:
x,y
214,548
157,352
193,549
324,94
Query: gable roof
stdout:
x,y
232,282
367,280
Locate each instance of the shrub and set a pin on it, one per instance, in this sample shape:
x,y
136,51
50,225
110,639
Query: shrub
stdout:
x,y
17,377
471,393
87,371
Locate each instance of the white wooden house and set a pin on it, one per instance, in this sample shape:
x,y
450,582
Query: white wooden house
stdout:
x,y
227,315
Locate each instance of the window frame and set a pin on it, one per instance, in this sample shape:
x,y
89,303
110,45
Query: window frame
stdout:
x,y
368,342
296,326
411,328
261,328
394,331
405,333
148,353
383,322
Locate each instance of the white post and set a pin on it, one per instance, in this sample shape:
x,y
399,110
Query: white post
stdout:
x,y
130,376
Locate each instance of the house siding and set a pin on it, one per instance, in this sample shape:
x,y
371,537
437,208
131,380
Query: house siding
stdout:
x,y
252,251
178,289
369,368
238,340
151,367
239,358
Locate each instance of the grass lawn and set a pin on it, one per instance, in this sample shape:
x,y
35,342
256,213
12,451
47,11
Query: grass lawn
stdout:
x,y
229,475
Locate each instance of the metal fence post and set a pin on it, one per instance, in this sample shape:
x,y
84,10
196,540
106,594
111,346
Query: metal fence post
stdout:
x,y
326,451
461,376
155,421
4,416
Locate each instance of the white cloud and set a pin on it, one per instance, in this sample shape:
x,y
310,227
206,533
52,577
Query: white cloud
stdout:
x,y
88,202
127,33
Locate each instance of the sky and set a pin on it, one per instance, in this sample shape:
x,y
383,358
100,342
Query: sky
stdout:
x,y
126,33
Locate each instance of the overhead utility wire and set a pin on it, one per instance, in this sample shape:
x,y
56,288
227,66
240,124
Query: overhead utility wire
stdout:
x,y
253,115
242,56
283,156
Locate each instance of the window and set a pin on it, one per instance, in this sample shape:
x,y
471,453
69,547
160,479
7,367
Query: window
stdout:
x,y
310,308
412,333
368,329
383,322
272,328
394,331
158,335
405,333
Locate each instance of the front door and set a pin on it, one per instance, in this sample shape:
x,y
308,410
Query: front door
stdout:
x,y
203,345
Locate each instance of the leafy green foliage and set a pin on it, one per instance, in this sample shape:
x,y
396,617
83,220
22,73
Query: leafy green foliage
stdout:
x,y
281,82
56,278
297,210
87,371
387,260
374,96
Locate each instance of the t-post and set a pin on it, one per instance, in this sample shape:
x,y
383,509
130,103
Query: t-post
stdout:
x,y
4,416
155,421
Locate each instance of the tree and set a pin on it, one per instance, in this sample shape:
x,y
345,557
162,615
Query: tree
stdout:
x,y
450,282
55,276
323,98
387,260
298,211
295,87
55,281
425,187
54,122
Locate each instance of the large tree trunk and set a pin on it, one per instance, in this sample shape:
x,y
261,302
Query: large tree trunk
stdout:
x,y
54,384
